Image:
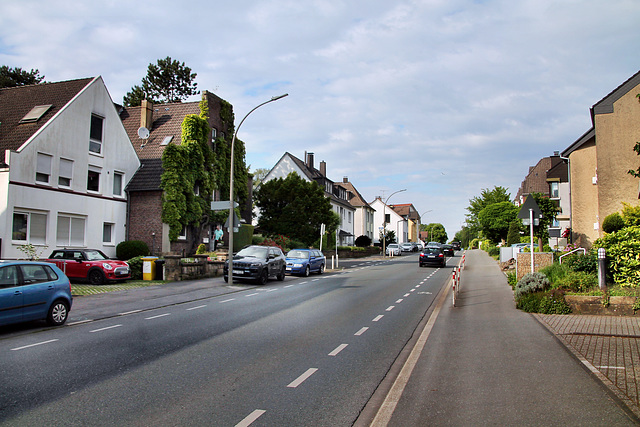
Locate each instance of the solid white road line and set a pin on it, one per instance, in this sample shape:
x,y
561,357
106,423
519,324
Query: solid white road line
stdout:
x,y
129,312
107,328
79,322
33,345
338,349
249,419
302,378
159,315
361,331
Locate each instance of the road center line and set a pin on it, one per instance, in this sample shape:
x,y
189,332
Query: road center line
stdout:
x,y
253,294
406,295
338,349
378,318
361,331
159,315
391,307
227,300
288,286
104,329
129,312
399,301
249,419
302,378
196,308
33,345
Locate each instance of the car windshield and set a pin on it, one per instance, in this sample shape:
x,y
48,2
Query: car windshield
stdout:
x,y
432,250
254,251
95,256
298,254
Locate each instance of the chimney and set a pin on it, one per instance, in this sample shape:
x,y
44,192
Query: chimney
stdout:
x,y
323,168
146,114
345,179
310,160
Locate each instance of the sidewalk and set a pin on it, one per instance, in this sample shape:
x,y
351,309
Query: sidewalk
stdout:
x,y
487,363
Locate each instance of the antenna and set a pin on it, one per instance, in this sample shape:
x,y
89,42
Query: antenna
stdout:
x,y
143,133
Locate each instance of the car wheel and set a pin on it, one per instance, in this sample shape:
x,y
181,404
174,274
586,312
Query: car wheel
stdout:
x,y
281,275
58,313
96,277
264,276
321,270
307,270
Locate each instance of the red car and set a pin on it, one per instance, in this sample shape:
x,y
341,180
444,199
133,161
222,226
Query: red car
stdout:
x,y
91,265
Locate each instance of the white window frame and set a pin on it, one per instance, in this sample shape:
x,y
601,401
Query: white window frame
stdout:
x,y
183,233
65,171
93,141
111,227
43,168
72,223
120,193
34,219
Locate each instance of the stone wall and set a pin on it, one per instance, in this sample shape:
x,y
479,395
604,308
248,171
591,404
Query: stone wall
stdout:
x,y
540,261
177,268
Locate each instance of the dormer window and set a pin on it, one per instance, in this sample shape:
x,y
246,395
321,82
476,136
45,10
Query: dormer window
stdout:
x,y
35,114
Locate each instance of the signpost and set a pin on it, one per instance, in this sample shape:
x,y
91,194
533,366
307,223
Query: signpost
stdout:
x,y
530,215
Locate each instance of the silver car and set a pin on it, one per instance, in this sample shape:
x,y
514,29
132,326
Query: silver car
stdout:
x,y
394,249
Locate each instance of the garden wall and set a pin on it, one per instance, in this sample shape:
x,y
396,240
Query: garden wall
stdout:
x,y
540,261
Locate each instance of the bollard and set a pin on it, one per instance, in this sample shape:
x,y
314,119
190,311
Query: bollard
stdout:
x,y
333,262
602,269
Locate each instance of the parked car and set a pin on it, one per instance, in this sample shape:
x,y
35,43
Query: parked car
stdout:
x,y
432,255
408,247
393,249
257,263
32,290
305,261
456,246
434,244
448,250
91,265
419,246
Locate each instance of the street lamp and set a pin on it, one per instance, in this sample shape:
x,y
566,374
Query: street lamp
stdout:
x,y
384,223
423,213
231,213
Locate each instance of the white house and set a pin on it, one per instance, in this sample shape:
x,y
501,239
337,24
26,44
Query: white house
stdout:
x,y
337,195
395,222
363,224
65,159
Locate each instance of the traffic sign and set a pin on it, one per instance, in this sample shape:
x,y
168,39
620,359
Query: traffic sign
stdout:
x,y
222,205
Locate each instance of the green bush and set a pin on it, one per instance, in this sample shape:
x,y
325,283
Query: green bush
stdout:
x,y
363,241
202,248
512,279
297,244
555,272
257,239
529,302
577,281
131,249
612,223
493,251
623,253
531,283
579,262
554,303
135,265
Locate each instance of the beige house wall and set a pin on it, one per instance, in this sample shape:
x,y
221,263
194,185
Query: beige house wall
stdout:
x,y
584,194
616,135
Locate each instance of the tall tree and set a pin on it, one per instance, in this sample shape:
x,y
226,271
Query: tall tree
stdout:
x,y
12,77
168,80
437,232
495,220
549,211
295,208
487,197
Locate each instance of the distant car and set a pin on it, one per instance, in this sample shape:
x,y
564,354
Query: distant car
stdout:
x,y
434,244
407,247
91,265
393,249
257,263
305,261
419,246
522,246
448,250
432,255
456,246
32,290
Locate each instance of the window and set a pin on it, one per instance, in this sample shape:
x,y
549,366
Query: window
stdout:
x,y
95,134
118,179
43,168
65,173
93,180
554,189
70,231
35,114
30,227
107,233
8,276
183,233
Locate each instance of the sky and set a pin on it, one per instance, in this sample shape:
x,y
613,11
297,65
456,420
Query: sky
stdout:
x,y
443,98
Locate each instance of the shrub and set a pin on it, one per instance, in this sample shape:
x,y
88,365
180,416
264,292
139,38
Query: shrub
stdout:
x,y
297,244
529,302
512,279
363,241
612,223
555,272
531,283
577,281
271,242
630,215
257,239
579,262
554,303
131,249
493,251
623,253
135,265
202,248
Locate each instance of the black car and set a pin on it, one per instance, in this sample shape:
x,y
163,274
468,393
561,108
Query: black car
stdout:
x,y
448,250
432,255
257,263
456,246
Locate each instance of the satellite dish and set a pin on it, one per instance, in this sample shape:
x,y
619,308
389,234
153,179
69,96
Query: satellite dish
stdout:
x,y
143,133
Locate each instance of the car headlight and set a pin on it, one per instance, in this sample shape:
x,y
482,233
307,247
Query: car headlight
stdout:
x,y
297,265
256,264
107,266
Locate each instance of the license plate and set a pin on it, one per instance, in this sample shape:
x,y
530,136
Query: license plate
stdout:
x,y
240,272
288,268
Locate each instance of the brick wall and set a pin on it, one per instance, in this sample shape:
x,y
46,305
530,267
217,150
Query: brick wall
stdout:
x,y
145,218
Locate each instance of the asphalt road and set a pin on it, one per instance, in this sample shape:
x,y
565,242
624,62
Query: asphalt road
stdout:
x,y
306,351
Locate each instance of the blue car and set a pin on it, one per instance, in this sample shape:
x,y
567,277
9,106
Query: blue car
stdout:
x,y
33,291
305,261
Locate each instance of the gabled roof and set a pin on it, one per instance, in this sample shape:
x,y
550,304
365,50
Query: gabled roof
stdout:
x,y
605,105
17,102
536,179
147,177
167,121
356,200
406,210
588,136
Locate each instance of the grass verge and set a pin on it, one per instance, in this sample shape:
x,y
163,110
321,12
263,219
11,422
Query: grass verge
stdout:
x,y
84,289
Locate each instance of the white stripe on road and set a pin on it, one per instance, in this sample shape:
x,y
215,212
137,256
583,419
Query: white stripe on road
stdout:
x,y
302,378
33,345
338,349
361,331
378,318
79,322
159,315
406,295
129,312
288,286
104,329
249,419
399,301
391,307
196,308
253,294
227,300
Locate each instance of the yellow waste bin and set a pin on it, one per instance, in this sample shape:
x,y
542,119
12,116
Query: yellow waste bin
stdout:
x,y
149,268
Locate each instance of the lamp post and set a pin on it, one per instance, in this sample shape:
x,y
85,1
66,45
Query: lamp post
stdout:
x,y
384,222
423,213
231,170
